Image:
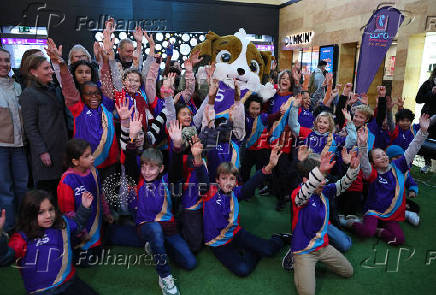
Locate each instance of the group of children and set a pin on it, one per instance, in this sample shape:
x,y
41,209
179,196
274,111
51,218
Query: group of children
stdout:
x,y
324,157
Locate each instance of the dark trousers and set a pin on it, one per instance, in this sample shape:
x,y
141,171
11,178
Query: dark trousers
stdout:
x,y
48,186
192,229
285,176
79,287
259,158
241,255
350,203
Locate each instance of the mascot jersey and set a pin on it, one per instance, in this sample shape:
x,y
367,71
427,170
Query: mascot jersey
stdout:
x,y
96,126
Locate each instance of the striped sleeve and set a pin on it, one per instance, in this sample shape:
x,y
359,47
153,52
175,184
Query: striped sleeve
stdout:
x,y
124,138
156,126
345,182
309,187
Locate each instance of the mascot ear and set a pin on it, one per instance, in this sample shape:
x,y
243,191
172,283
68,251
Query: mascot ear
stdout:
x,y
267,58
205,48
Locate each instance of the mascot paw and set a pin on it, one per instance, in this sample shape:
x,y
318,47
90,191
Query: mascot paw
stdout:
x,y
266,91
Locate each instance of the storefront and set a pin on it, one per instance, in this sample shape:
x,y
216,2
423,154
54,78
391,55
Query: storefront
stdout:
x,y
340,23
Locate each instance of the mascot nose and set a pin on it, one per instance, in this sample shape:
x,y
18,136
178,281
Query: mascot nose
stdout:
x,y
241,71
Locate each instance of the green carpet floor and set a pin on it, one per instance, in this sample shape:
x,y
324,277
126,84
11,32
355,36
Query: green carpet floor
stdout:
x,y
378,268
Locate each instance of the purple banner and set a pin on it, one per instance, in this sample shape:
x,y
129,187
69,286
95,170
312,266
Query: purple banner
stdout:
x,y
23,41
376,40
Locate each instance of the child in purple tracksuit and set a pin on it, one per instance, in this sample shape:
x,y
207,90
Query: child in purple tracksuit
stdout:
x,y
153,204
42,246
235,248
385,205
310,219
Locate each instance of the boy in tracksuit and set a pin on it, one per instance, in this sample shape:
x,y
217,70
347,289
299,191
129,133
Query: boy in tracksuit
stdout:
x,y
310,206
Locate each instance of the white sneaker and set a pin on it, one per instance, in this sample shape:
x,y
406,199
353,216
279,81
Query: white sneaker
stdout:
x,y
412,218
167,285
347,221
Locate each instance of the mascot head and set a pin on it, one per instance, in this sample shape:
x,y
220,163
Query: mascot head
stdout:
x,y
235,57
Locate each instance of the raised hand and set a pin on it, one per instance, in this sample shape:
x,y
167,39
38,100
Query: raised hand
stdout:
x,y
274,158
135,125
87,199
400,102
195,58
303,153
46,159
362,136
237,90
2,220
213,89
347,115
55,53
149,38
196,148
354,97
175,133
168,83
355,160
297,101
123,109
424,122
98,51
381,91
364,98
347,89
109,25
326,162
210,70
346,156
138,34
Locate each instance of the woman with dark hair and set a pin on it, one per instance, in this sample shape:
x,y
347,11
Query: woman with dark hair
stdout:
x,y
427,96
43,110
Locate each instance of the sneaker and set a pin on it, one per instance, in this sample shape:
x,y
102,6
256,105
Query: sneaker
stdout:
x,y
288,261
425,169
264,191
167,285
346,222
412,218
286,237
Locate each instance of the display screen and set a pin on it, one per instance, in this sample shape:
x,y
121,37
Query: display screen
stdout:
x,y
17,47
327,54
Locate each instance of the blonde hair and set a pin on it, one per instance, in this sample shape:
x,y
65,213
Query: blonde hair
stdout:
x,y
364,109
329,118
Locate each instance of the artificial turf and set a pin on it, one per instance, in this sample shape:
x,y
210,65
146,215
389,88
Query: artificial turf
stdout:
x,y
378,268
